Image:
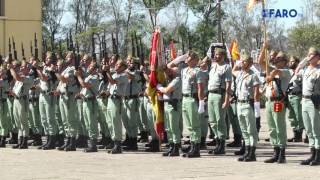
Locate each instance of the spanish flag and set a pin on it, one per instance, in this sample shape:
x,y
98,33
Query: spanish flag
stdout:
x,y
234,51
156,77
253,3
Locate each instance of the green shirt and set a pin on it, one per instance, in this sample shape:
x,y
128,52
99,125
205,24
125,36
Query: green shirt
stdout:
x,y
311,81
119,88
93,91
284,80
190,79
245,83
133,86
21,88
4,88
176,85
218,76
71,85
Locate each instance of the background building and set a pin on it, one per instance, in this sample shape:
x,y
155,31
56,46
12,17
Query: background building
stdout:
x,y
20,19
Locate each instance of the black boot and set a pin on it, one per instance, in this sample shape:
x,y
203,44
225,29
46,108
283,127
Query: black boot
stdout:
x,y
47,141
275,156
51,144
17,146
221,148
2,141
103,140
144,137
251,155
308,161
82,141
66,144
72,146
236,142
316,160
13,139
60,140
258,124
191,148
299,135
170,149
175,150
245,154
154,146
24,144
132,145
218,142
126,141
195,152
282,156
92,146
242,149
203,143
116,148
109,143
37,140
212,143
306,140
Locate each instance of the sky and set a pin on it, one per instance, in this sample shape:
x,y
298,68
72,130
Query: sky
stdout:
x,y
278,4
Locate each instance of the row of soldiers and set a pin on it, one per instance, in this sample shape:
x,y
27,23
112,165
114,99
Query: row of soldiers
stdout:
x,y
83,101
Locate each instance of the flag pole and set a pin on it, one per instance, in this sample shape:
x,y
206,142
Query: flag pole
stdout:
x,y
265,38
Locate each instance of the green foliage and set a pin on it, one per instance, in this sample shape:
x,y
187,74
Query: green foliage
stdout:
x,y
302,37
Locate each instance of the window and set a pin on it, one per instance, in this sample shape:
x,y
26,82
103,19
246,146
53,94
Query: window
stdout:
x,y
1,7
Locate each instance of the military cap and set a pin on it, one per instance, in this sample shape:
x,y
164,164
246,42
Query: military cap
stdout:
x,y
246,57
281,56
220,51
135,60
313,51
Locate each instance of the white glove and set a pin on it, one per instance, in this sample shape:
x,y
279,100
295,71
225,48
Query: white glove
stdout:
x,y
201,106
159,86
257,109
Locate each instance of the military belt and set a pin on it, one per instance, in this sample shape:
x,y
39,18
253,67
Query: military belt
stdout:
x,y
68,94
217,91
131,97
295,93
89,99
189,95
306,97
275,98
245,101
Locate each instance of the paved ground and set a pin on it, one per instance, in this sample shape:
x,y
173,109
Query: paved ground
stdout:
x,y
36,164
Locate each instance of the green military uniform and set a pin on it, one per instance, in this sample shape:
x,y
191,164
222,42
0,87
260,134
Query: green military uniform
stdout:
x,y
191,77
68,108
114,108
90,110
204,116
294,106
20,109
218,76
142,119
276,120
130,116
172,110
34,114
310,111
4,112
150,117
47,107
245,83
104,122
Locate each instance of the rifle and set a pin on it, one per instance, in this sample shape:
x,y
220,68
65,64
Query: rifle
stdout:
x,y
93,47
60,49
133,51
104,45
71,47
114,45
100,47
31,48
15,55
36,51
141,51
10,53
44,47
68,43
22,51
77,58
137,45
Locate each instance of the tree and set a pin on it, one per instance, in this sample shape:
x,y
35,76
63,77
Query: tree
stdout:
x,y
154,6
52,13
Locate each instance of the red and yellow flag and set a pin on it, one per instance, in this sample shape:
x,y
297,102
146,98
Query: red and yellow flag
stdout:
x,y
173,52
234,51
253,3
156,77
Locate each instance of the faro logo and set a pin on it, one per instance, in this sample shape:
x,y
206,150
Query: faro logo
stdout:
x,y
279,13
